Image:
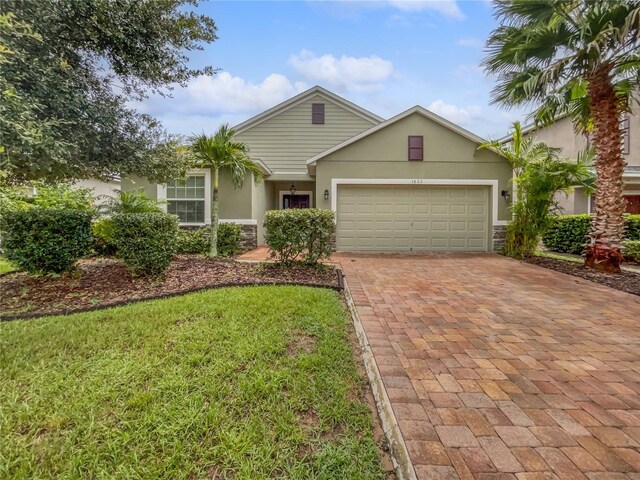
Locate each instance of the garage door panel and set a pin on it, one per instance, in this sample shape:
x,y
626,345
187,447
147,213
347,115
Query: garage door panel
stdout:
x,y
412,218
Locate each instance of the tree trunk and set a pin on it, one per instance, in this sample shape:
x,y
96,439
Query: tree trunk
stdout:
x,y
213,250
607,228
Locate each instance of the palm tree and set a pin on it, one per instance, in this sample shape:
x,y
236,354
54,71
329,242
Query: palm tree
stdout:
x,y
136,201
220,152
577,58
538,173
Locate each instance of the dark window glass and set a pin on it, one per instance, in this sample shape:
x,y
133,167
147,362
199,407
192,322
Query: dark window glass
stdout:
x,y
317,113
415,148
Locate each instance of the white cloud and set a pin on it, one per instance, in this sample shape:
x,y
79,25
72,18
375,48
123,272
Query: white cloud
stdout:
x,y
455,114
224,93
360,74
470,42
448,8
208,101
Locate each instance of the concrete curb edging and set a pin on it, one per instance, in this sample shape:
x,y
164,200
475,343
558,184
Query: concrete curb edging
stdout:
x,y
399,454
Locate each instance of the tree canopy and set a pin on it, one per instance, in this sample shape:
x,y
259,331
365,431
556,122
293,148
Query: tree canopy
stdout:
x,y
67,72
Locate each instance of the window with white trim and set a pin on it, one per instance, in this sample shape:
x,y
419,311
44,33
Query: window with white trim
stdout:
x,y
186,198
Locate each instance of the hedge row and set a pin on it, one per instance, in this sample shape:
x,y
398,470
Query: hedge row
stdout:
x,y
42,241
46,241
299,234
569,233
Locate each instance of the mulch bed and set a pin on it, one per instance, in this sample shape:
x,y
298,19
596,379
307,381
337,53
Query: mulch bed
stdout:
x,y
626,281
102,282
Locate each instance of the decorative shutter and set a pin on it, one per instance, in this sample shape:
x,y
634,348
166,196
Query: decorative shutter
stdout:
x,y
317,113
415,148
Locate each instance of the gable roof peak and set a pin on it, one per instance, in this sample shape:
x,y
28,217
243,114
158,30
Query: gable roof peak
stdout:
x,y
413,110
301,97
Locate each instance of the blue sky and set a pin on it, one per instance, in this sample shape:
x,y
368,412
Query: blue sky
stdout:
x,y
386,56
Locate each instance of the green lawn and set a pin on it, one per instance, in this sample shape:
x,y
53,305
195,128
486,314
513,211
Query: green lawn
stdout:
x,y
245,383
6,266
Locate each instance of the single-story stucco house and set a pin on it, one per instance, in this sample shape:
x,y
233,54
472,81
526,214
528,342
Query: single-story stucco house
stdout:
x,y
561,134
414,182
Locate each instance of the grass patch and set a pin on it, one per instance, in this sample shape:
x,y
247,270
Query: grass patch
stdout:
x,y
255,382
559,256
6,265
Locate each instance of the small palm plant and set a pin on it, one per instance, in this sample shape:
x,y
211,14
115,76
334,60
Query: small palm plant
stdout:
x,y
539,173
578,58
220,152
136,201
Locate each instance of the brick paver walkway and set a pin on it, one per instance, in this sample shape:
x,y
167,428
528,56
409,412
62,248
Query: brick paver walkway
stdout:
x,y
500,370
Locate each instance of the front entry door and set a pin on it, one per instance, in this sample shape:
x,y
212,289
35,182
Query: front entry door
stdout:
x,y
296,201
633,204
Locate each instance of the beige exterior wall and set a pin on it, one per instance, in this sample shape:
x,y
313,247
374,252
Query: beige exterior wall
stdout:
x,y
132,182
99,187
383,155
561,134
285,141
235,203
263,196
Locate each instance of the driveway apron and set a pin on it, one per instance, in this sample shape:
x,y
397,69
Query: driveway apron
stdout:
x,y
497,369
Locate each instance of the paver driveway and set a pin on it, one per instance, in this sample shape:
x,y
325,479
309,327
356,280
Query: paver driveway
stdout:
x,y
499,370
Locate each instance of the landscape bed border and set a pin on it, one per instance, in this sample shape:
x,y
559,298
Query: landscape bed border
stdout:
x,y
28,316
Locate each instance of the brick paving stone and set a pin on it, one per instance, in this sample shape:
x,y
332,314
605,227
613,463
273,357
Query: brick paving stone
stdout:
x,y
417,430
476,422
436,472
515,414
613,437
553,437
525,369
582,459
500,455
459,464
450,416
476,400
629,455
530,459
560,464
567,422
602,453
427,453
477,460
536,476
517,437
456,436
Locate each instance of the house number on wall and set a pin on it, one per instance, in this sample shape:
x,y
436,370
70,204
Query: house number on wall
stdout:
x,y
417,180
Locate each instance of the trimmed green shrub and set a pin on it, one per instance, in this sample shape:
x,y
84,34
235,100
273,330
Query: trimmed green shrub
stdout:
x,y
632,224
567,233
631,249
195,241
44,241
299,234
145,241
103,243
228,239
570,233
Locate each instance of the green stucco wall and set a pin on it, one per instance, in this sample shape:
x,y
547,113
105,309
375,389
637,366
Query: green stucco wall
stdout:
x,y
383,154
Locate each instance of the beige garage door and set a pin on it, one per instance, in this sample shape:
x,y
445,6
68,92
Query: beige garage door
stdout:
x,y
412,218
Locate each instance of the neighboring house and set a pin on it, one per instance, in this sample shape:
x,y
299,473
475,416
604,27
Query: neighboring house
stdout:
x,y
415,182
100,187
561,134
